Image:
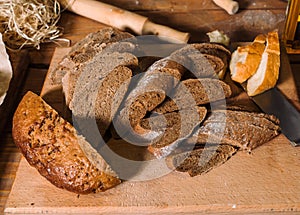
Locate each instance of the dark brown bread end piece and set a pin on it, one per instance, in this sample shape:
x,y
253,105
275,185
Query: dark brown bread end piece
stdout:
x,y
52,146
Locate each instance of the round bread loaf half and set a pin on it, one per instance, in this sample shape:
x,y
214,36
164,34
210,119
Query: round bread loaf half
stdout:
x,y
53,147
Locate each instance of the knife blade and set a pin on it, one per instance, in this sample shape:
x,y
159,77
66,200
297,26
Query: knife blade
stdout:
x,y
274,102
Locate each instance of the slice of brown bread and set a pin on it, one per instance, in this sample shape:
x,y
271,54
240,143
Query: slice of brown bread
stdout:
x,y
172,128
204,66
96,92
70,79
146,61
246,130
201,160
149,91
203,91
53,147
203,59
169,66
85,50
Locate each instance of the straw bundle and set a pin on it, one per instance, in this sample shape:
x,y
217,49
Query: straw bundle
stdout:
x,y
29,23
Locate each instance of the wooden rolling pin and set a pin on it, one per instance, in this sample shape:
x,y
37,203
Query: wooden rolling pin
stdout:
x,y
123,19
229,5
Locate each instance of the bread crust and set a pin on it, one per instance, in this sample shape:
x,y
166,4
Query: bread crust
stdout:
x,y
267,73
242,70
51,145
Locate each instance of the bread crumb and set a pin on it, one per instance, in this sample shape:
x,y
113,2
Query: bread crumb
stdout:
x,y
217,36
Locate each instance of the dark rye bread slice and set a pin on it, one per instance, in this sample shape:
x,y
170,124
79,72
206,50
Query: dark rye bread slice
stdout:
x,y
70,79
201,160
203,59
246,130
146,61
85,50
149,91
169,66
202,91
101,87
52,146
172,127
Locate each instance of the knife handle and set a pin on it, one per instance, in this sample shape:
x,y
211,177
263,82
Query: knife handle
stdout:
x,y
122,19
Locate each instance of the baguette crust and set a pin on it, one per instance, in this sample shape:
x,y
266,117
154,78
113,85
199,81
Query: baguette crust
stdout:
x,y
267,73
52,146
245,60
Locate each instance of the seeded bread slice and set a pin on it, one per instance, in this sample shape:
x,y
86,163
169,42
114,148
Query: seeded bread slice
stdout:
x,y
202,91
123,49
146,94
85,50
52,146
172,128
202,160
246,130
95,90
203,59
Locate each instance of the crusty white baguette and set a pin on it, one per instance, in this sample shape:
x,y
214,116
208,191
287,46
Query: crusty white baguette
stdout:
x,y
267,73
245,60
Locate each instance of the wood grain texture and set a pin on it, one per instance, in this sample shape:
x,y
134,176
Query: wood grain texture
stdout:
x,y
264,182
193,16
243,26
192,5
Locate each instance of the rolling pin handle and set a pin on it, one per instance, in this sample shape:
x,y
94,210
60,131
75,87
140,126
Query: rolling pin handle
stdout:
x,y
123,19
170,34
229,5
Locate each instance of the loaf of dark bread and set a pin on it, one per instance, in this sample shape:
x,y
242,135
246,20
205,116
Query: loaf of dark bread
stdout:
x,y
172,127
201,160
246,130
53,147
202,91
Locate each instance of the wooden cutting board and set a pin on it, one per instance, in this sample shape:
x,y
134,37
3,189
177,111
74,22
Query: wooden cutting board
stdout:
x,y
265,181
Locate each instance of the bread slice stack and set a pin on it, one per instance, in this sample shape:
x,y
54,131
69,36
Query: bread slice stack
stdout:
x,y
257,63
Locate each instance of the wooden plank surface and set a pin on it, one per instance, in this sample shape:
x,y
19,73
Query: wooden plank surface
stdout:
x,y
200,17
193,16
264,182
187,6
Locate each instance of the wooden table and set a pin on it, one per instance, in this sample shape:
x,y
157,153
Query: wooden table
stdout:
x,y
192,16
